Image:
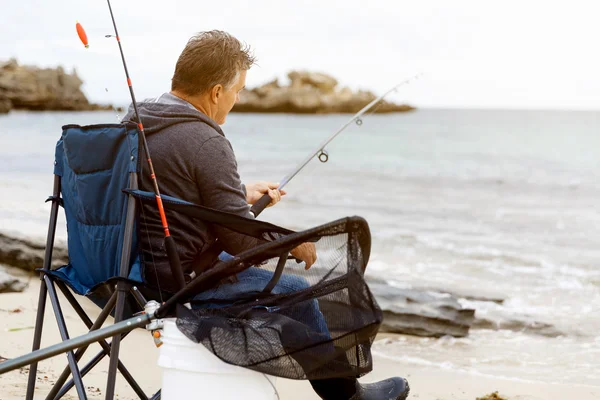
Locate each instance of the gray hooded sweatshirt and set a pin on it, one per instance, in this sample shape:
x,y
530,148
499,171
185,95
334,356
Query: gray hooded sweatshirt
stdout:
x,y
193,161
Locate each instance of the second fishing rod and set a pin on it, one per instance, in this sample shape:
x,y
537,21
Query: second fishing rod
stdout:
x,y
320,152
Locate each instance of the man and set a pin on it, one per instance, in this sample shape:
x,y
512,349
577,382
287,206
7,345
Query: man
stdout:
x,y
194,161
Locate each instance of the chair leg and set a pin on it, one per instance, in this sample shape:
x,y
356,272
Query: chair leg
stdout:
x,y
62,327
106,346
39,319
37,339
84,371
96,325
87,368
115,344
139,298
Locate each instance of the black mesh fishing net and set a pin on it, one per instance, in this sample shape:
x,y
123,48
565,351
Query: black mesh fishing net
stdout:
x,y
303,324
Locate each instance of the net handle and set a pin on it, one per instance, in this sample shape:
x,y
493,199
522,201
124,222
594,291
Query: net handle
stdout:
x,y
277,274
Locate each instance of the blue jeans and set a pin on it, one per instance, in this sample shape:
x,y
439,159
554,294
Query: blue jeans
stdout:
x,y
254,280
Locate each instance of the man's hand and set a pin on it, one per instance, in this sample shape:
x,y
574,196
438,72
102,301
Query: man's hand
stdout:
x,y
254,191
307,253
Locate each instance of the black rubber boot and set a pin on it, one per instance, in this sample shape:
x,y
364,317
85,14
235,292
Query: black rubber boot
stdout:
x,y
388,389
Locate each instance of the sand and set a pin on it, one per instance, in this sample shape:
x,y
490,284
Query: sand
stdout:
x,y
17,311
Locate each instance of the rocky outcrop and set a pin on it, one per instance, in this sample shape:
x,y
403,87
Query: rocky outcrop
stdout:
x,y
10,284
421,313
5,105
27,254
41,89
436,312
520,323
309,93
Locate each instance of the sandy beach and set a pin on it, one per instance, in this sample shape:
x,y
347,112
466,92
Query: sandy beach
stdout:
x,y
17,315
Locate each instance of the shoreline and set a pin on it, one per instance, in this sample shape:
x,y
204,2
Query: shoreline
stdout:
x,y
17,311
257,111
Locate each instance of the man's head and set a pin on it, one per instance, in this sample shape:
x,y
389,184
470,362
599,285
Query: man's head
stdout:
x,y
211,71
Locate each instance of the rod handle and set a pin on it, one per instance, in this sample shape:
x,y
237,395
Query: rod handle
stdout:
x,y
260,205
174,261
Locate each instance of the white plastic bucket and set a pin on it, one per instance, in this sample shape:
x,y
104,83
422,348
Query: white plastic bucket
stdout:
x,y
190,371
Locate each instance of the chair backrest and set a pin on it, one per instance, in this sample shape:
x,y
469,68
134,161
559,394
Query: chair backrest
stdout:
x,y
95,163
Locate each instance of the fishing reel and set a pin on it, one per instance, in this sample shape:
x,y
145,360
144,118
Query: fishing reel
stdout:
x,y
156,326
323,156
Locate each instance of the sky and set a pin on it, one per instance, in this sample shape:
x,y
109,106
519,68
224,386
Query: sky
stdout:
x,y
471,54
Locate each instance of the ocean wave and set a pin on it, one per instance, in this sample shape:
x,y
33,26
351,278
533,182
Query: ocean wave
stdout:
x,y
502,355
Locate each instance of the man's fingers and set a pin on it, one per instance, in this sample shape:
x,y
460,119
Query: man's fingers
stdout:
x,y
265,186
274,194
306,252
275,197
312,255
310,261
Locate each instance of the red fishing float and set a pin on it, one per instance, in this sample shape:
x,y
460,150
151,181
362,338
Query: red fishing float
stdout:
x,y
82,34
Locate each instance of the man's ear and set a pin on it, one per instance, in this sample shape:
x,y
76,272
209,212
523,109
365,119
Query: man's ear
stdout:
x,y
216,92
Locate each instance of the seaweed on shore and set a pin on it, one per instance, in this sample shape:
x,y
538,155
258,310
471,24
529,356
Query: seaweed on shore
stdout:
x,y
492,396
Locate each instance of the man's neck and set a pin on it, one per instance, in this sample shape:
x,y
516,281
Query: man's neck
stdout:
x,y
200,103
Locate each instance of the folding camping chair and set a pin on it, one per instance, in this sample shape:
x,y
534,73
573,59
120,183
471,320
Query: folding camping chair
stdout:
x,y
95,181
92,166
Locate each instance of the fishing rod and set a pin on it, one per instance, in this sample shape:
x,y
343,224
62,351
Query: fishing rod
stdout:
x,y
320,152
170,246
152,311
169,242
76,342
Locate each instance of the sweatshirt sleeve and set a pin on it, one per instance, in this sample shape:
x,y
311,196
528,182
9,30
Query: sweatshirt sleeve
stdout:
x,y
220,187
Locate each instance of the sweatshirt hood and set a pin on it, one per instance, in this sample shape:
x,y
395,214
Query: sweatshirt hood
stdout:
x,y
167,110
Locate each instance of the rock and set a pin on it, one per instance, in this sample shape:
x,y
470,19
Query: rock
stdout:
x,y
468,294
518,324
309,93
10,284
414,312
32,88
302,100
430,311
267,88
5,105
28,255
325,83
